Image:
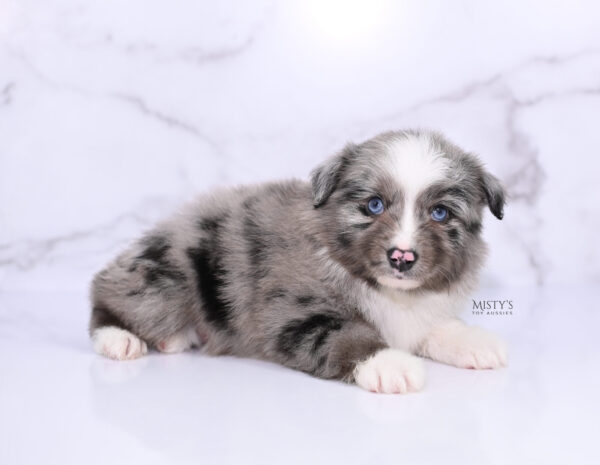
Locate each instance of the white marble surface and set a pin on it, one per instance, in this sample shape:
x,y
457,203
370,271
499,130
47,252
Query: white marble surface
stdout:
x,y
112,113
61,404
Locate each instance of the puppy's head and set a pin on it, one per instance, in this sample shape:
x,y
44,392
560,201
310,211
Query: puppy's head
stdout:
x,y
404,209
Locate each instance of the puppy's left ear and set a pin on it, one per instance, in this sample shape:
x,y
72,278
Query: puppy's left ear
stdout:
x,y
494,194
325,178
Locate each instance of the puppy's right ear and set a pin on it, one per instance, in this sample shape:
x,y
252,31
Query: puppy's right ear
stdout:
x,y
325,178
494,194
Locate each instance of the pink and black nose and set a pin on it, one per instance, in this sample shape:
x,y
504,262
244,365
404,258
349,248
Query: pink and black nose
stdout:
x,y
402,260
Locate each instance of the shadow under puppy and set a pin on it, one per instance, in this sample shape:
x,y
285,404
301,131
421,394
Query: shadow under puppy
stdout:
x,y
351,277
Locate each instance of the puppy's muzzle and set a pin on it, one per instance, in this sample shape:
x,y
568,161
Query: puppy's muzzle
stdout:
x,y
402,260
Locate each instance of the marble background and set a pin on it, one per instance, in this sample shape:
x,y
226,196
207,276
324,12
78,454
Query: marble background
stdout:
x,y
112,113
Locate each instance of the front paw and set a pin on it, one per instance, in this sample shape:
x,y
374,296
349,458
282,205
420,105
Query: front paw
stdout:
x,y
390,371
466,347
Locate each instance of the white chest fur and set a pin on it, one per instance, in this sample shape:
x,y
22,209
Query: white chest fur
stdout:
x,y
404,319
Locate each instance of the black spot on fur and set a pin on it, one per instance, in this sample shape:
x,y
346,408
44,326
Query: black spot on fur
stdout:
x,y
163,275
309,333
321,361
474,227
156,248
453,234
343,239
210,282
158,270
305,300
322,335
210,224
372,282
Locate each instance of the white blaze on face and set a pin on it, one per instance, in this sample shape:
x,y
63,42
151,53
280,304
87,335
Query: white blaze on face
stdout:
x,y
416,164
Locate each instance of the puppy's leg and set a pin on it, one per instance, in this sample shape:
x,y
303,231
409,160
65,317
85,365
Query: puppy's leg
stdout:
x,y
143,298
117,343
390,371
179,342
465,346
331,347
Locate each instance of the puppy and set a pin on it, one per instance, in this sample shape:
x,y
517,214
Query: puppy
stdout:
x,y
353,277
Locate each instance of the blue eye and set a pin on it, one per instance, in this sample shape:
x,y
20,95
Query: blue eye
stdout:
x,y
439,213
375,206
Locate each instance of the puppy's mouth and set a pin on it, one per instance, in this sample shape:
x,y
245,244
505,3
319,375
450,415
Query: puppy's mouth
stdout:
x,y
399,274
399,280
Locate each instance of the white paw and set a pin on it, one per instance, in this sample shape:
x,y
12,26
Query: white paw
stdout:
x,y
179,342
466,347
390,371
118,344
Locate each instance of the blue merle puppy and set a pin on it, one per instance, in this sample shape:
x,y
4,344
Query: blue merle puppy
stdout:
x,y
353,276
